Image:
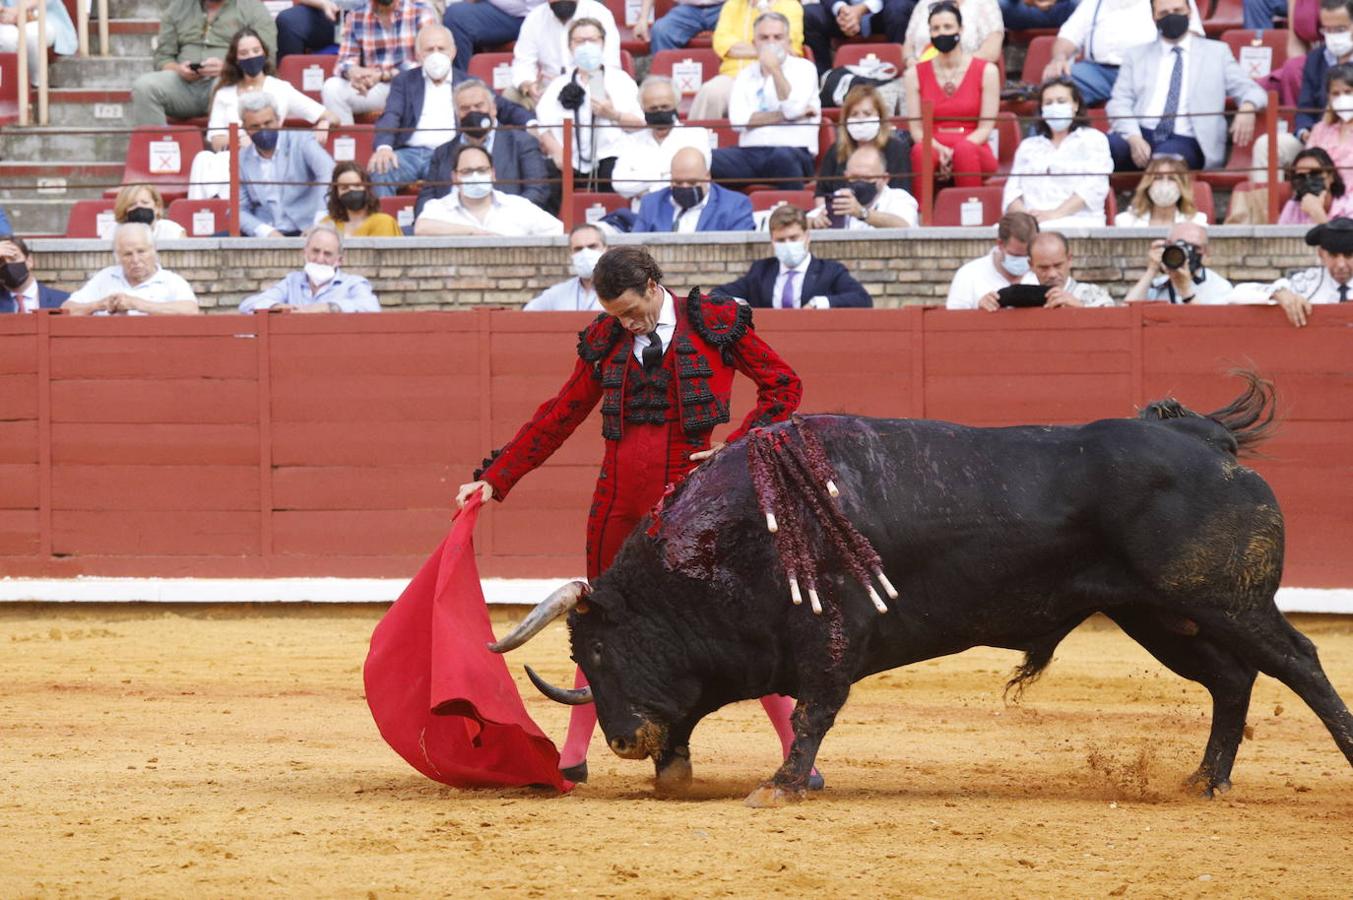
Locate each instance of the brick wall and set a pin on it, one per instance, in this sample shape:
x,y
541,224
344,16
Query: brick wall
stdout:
x,y
898,267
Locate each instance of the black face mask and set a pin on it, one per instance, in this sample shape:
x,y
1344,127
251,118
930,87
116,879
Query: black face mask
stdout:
x,y
564,9
864,191
945,43
660,116
253,65
1173,26
475,125
143,214
353,201
688,196
13,274
1308,184
385,2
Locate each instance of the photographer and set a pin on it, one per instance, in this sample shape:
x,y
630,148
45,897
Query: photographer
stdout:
x,y
1318,191
1177,272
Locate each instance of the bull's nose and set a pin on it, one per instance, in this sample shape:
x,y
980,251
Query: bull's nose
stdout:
x,y
622,746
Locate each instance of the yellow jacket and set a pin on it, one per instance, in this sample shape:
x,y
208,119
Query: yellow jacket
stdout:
x,y
735,27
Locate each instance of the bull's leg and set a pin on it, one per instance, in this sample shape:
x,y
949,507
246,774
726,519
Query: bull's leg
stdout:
x,y
1201,659
672,765
813,717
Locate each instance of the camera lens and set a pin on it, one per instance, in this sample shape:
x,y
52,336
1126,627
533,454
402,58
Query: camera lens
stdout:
x,y
1173,257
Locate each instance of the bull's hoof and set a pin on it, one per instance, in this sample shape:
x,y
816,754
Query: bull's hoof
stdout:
x,y
1207,786
815,781
576,774
675,778
768,796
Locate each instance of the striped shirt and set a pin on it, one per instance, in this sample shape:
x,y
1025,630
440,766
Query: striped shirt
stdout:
x,y
369,42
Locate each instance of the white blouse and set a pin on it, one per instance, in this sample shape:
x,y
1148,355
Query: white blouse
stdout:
x,y
1129,219
1045,175
225,107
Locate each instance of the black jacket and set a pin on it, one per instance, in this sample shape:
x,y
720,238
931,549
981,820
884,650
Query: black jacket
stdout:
x,y
825,277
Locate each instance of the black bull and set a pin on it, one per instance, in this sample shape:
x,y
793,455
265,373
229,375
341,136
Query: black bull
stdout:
x,y
1003,537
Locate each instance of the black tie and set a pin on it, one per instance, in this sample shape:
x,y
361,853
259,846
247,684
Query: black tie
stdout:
x,y
1343,293
652,358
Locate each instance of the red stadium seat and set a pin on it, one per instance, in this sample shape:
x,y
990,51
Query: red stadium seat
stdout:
x,y
9,87
1274,39
1226,15
627,62
680,66
949,205
1202,198
90,219
201,218
762,200
401,207
494,69
1284,193
852,54
589,207
161,156
1110,207
1098,118
351,142
1037,59
1007,139
628,41
1238,169
299,68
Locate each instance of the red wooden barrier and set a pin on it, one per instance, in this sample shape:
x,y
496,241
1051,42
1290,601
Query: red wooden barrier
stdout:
x,y
297,445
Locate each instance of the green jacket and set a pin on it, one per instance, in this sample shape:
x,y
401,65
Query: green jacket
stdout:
x,y
185,35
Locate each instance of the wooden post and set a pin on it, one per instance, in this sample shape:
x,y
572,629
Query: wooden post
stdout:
x,y
927,162
82,26
1271,129
103,27
22,25
566,172
234,210
42,61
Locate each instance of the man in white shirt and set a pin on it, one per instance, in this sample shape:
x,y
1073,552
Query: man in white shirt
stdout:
x,y
1182,275
774,105
975,283
645,160
868,201
419,99
1051,257
474,207
541,53
136,285
586,243
1329,282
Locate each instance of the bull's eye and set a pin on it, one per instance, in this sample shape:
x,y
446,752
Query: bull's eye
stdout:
x,y
596,653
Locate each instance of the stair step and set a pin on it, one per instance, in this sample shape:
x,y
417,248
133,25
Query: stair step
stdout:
x,y
68,179
113,72
130,9
57,143
76,106
39,216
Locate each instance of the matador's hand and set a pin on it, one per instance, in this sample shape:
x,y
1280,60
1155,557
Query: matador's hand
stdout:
x,y
467,491
706,454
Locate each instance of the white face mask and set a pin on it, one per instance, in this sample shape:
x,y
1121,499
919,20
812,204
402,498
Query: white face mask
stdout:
x,y
1342,106
319,273
781,52
1058,116
863,129
585,261
1163,192
1340,44
437,65
588,56
1015,265
476,187
790,253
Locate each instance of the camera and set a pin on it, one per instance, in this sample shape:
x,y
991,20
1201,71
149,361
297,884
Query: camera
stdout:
x,y
1313,183
1178,254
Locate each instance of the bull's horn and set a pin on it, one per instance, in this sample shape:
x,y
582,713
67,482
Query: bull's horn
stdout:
x,y
549,609
570,697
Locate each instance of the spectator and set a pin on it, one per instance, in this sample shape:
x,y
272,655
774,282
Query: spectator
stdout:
x,y
866,125
645,160
794,278
516,155
586,243
981,37
20,291
975,283
966,93
1050,255
1101,31
283,174
1164,196
600,99
354,209
474,207
1330,282
61,35
136,285
1157,107
735,42
867,201
247,69
5,226
1333,133
189,55
485,24
683,21
321,286
419,115
775,108
1019,15
311,26
841,20
378,43
542,52
692,203
1061,173
1318,191
1183,277
143,203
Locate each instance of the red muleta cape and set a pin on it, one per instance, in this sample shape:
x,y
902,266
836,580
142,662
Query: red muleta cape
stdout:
x,y
440,697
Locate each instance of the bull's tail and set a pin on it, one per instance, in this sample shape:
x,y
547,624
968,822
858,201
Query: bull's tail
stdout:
x,y
1247,421
1037,657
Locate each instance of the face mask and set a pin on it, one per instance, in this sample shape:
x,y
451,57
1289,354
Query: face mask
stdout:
x,y
385,2
252,66
688,196
1339,44
437,65
1308,184
588,56
790,253
476,187
863,129
660,117
319,273
564,9
1163,192
13,274
353,200
945,43
864,191
143,214
475,125
1015,265
265,139
1058,116
585,261
1342,106
781,52
1173,26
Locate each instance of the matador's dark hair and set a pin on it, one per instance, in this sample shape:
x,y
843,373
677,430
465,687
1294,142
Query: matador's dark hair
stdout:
x,y
622,269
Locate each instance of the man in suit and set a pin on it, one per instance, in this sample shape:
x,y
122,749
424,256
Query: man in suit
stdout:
x,y
1164,86
19,287
693,203
794,278
283,174
516,155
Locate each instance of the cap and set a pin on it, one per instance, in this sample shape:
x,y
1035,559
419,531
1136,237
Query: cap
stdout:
x,y
1336,235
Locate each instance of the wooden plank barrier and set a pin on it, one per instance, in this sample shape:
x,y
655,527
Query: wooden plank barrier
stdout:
x,y
256,446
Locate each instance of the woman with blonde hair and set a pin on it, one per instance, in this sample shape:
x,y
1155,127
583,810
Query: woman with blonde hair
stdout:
x,y
143,203
1164,196
354,209
864,120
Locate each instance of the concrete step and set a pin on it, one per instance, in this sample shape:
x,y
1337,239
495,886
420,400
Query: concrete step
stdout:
x,y
128,37
53,143
76,106
131,9
39,215
56,180
110,72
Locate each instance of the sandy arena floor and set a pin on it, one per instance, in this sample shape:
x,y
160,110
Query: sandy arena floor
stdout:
x,y
228,752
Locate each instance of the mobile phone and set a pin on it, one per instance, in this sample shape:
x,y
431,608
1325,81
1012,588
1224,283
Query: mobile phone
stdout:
x,y
196,67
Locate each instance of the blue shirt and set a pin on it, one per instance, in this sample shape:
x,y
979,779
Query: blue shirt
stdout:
x,y
352,293
303,169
